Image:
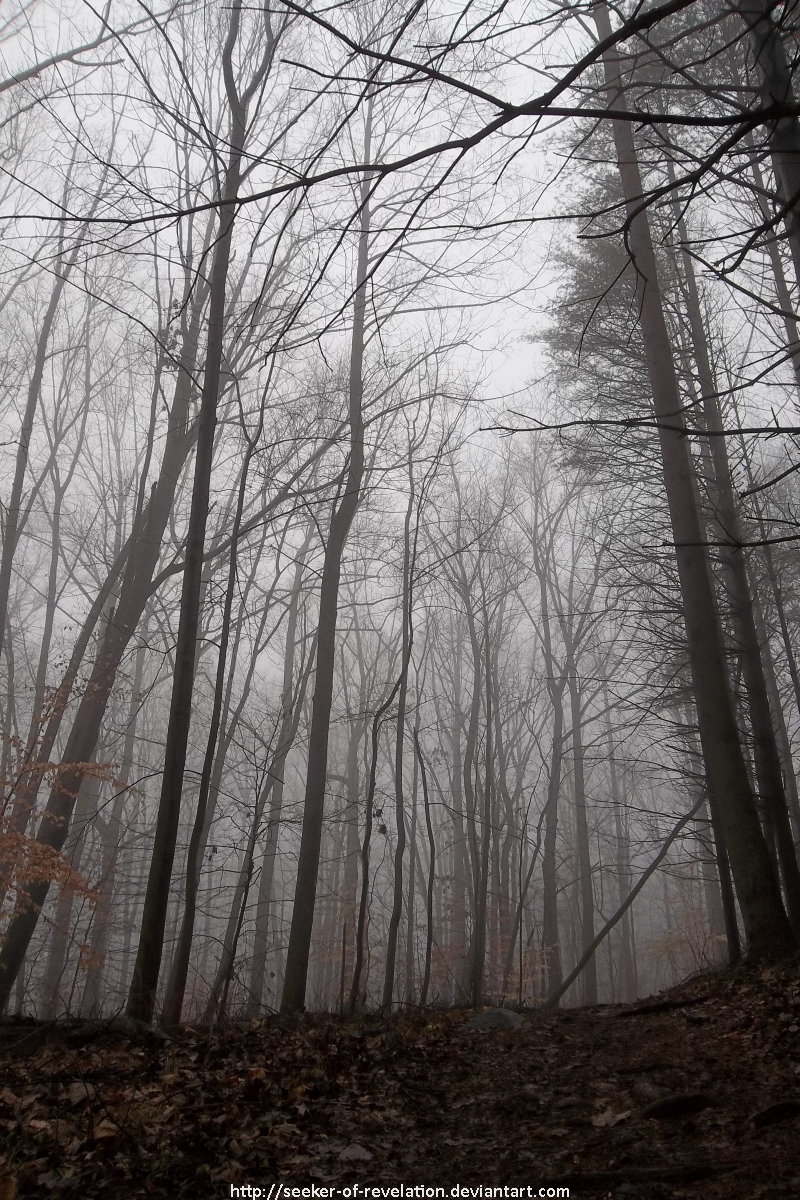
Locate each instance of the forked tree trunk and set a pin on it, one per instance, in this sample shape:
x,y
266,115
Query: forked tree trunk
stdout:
x,y
768,930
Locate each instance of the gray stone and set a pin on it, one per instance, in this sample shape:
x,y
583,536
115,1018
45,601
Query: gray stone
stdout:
x,y
495,1018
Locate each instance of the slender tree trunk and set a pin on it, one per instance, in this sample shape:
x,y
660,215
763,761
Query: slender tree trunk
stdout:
x,y
144,985
589,975
411,932
551,939
781,286
776,88
111,837
429,894
775,582
299,948
483,859
765,750
768,930
176,989
292,707
138,558
13,509
61,935
588,953
407,635
623,871
458,910
361,927
776,708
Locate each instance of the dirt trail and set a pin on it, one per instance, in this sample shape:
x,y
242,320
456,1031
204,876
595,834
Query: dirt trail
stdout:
x,y
695,1096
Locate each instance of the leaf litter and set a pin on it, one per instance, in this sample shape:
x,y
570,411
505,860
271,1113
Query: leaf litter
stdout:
x,y
655,1105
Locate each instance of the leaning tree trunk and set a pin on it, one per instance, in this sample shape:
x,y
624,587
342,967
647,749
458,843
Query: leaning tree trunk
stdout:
x,y
140,561
768,930
299,948
111,836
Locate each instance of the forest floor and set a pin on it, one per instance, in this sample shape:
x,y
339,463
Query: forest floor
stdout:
x,y
696,1094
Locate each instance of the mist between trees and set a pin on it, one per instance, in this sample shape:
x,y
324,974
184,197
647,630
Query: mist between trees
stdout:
x,y
399,578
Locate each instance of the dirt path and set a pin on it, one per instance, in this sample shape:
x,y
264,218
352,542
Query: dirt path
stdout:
x,y
699,1099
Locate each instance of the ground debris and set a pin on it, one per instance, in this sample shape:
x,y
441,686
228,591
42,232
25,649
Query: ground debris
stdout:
x,y
408,1098
495,1018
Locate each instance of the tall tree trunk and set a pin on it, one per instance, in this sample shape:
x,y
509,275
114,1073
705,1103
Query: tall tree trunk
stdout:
x,y
768,930
486,839
781,286
776,88
176,988
429,894
61,933
589,976
411,931
138,559
144,985
13,510
781,731
292,705
356,995
299,948
111,838
765,750
623,864
458,909
407,641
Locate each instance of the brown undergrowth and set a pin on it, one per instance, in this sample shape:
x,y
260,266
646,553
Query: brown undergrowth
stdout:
x,y
696,1095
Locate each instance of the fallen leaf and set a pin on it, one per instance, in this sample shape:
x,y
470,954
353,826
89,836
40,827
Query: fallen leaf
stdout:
x,y
608,1118
354,1153
106,1129
79,1091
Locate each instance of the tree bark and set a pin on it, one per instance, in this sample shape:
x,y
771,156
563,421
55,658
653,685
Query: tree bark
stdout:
x,y
768,930
144,984
589,975
407,642
765,750
299,948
